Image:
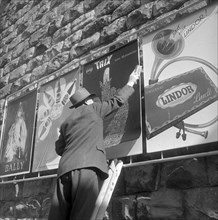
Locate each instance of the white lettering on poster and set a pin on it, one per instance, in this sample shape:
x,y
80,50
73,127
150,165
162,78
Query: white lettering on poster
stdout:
x,y
189,29
14,166
200,97
102,63
176,95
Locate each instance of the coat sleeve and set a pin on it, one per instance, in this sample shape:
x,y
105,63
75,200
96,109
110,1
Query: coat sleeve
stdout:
x,y
107,107
60,144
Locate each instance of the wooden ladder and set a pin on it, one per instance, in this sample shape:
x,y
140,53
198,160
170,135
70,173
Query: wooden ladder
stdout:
x,y
107,189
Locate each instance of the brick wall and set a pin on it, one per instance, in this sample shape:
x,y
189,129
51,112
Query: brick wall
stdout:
x,y
41,37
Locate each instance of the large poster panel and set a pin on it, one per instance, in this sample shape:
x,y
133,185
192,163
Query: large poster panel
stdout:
x,y
53,109
17,139
180,78
104,76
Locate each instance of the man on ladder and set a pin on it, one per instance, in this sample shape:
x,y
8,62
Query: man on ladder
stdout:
x,y
83,165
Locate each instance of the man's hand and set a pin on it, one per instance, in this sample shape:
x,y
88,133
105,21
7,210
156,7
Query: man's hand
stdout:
x,y
134,76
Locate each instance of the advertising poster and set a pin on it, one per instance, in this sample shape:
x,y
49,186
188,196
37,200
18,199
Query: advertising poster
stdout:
x,y
181,80
53,109
17,139
104,76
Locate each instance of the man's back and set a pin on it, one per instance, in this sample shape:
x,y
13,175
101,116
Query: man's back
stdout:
x,y
83,139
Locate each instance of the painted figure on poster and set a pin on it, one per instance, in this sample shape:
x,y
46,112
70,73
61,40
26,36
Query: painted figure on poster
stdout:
x,y
52,101
17,137
114,130
52,108
104,76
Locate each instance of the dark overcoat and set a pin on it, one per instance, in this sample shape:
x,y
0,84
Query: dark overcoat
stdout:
x,y
80,143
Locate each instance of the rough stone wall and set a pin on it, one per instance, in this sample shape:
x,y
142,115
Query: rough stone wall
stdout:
x,y
40,37
179,190
183,190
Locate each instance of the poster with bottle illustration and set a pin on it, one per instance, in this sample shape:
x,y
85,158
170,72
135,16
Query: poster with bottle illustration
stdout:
x,y
53,109
104,77
17,139
181,82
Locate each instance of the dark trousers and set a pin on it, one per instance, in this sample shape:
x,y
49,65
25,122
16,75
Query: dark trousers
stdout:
x,y
75,195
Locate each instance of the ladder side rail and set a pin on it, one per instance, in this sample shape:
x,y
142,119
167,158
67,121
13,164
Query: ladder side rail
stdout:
x,y
107,196
107,190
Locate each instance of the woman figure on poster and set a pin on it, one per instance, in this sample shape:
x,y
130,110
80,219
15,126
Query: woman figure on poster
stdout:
x,y
17,137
